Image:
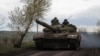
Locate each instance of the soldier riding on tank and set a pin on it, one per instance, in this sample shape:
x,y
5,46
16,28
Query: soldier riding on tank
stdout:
x,y
67,27
65,23
55,21
74,27
54,24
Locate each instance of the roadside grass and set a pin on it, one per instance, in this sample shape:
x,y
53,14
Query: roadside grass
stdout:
x,y
8,38
8,48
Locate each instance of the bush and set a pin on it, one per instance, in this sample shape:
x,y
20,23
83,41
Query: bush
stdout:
x,y
5,39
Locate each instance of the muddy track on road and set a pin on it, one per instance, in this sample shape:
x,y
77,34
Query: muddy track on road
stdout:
x,y
80,52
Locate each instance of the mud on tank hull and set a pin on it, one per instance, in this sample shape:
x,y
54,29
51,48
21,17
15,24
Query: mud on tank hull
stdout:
x,y
54,43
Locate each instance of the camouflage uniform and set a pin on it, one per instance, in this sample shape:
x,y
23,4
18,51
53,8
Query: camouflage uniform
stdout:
x,y
54,24
73,28
55,21
65,23
66,27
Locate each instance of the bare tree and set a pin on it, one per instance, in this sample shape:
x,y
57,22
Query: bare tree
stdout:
x,y
2,20
22,19
39,7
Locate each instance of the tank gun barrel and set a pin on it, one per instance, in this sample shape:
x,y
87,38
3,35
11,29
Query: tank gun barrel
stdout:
x,y
45,25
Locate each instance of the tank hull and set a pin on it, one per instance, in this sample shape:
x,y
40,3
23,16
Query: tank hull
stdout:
x,y
43,43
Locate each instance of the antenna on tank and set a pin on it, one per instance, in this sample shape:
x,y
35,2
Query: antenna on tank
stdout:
x,y
69,17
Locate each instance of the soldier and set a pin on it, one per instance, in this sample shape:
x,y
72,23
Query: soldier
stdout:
x,y
65,23
73,26
68,27
55,21
55,24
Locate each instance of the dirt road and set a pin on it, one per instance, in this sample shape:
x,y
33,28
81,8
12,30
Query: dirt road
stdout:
x,y
80,52
90,46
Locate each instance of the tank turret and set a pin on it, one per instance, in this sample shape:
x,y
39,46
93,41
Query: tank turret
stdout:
x,y
45,25
54,29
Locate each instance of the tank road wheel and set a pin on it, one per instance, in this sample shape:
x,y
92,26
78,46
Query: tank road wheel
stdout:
x,y
39,44
74,45
78,45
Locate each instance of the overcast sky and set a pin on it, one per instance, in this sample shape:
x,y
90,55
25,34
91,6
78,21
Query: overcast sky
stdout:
x,y
84,12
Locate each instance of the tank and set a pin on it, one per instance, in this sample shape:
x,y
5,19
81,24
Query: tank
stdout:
x,y
56,37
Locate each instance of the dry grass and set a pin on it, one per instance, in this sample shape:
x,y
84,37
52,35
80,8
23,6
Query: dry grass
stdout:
x,y
8,47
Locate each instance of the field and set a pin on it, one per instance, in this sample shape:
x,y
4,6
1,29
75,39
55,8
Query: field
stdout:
x,y
7,40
